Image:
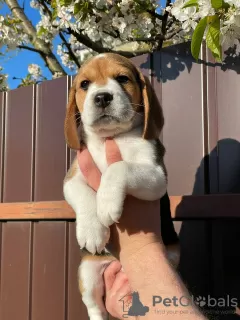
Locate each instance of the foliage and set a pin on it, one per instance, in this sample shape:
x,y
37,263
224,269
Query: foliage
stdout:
x,y
129,27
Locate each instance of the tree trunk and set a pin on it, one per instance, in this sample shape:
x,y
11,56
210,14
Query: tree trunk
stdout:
x,y
44,50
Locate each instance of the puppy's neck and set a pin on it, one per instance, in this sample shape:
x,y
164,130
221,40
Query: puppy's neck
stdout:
x,y
101,134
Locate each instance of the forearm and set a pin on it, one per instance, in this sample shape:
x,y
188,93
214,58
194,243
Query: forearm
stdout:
x,y
151,275
142,255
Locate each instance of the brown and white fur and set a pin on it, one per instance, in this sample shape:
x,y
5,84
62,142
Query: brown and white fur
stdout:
x,y
112,98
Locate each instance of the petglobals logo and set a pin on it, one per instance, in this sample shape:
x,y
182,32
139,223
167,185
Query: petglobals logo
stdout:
x,y
216,302
201,301
133,307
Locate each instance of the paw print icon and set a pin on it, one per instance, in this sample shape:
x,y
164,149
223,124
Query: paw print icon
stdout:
x,y
200,301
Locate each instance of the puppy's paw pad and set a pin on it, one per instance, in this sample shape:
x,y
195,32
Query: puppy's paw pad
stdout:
x,y
98,317
109,214
109,208
92,236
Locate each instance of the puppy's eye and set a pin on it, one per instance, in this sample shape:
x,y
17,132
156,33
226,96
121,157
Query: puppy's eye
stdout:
x,y
122,79
85,84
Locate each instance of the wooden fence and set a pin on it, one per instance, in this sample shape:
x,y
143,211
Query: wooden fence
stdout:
x,y
39,255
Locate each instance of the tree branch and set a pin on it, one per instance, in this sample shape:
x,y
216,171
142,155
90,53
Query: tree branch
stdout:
x,y
30,49
45,8
155,14
130,54
43,49
170,35
164,25
153,39
85,40
70,52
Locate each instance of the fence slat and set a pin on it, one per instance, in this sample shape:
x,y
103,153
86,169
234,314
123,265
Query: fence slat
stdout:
x,y
15,264
1,292
48,278
195,257
51,158
18,145
212,125
76,308
183,130
156,79
224,159
2,126
182,208
72,153
228,97
143,62
225,262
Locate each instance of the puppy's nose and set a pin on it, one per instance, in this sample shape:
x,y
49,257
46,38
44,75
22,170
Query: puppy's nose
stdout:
x,y
103,99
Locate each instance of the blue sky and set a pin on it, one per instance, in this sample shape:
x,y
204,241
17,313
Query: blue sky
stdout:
x,y
16,63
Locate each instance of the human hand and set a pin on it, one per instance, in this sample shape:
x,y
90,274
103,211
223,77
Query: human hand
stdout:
x,y
137,232
117,288
139,224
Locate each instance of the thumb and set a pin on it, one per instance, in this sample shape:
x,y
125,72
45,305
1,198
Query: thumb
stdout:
x,y
112,152
89,168
110,274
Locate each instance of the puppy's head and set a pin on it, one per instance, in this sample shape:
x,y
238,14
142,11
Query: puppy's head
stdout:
x,y
108,96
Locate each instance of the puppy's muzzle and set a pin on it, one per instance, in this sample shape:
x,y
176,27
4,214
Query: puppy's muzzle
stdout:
x,y
103,99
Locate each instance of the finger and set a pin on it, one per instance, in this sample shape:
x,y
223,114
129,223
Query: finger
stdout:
x,y
112,152
89,169
120,280
114,300
125,292
110,274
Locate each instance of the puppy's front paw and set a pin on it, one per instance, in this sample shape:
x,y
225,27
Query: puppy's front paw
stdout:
x,y
109,209
92,235
111,193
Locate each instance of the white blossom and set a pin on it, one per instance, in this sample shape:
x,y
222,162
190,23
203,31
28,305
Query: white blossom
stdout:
x,y
119,23
230,31
3,81
235,3
34,4
34,70
100,3
205,8
112,24
57,75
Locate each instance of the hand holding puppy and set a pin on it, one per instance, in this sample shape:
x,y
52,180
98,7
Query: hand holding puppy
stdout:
x,y
140,221
136,239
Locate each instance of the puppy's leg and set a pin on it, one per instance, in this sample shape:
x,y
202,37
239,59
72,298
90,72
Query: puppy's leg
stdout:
x,y
91,285
90,232
143,181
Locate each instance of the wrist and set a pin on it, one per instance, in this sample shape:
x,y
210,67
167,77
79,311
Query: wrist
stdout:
x,y
125,244
138,244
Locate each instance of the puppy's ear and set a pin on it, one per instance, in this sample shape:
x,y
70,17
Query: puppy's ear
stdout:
x,y
153,114
72,120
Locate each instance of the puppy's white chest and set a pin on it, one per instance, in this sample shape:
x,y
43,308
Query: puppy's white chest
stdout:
x,y
97,150
132,148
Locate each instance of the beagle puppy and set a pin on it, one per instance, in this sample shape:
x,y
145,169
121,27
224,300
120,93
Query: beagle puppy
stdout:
x,y
110,97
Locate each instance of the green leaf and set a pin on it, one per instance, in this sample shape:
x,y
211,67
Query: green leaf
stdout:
x,y
213,39
197,37
217,4
54,13
54,4
65,3
77,7
225,5
190,3
83,8
41,31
